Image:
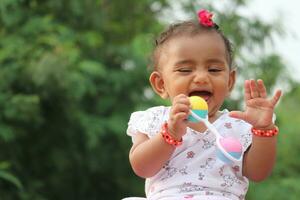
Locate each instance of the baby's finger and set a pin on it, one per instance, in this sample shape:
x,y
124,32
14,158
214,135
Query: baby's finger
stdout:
x,y
179,117
237,115
276,97
179,107
182,116
253,89
183,99
261,88
247,94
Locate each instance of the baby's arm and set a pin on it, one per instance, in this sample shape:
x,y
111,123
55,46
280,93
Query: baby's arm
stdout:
x,y
148,155
260,157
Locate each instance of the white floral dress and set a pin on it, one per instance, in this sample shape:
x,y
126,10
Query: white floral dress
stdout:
x,y
193,171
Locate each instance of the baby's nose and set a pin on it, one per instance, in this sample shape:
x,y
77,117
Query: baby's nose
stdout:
x,y
201,77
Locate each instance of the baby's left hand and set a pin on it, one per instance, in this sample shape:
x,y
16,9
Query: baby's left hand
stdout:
x,y
259,110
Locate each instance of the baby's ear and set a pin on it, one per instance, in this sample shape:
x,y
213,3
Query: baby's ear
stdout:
x,y
158,84
231,81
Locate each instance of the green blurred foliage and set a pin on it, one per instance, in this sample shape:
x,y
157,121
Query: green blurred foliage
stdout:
x,y
63,105
72,71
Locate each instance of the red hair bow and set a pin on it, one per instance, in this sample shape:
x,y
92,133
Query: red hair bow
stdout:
x,y
205,18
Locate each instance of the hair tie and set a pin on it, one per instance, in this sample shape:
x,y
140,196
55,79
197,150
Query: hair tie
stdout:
x,y
205,18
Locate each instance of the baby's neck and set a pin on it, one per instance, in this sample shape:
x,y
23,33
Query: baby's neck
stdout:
x,y
214,117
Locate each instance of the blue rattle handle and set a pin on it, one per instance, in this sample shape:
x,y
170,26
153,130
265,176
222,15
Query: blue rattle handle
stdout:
x,y
207,124
217,134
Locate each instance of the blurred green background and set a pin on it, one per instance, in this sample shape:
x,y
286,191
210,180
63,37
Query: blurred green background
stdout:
x,y
72,72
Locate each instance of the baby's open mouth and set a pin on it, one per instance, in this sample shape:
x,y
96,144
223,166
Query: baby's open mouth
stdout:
x,y
204,94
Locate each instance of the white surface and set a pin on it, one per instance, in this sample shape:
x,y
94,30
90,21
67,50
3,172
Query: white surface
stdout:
x,y
287,46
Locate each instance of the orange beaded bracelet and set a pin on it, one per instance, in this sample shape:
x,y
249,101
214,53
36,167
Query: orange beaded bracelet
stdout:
x,y
265,133
169,138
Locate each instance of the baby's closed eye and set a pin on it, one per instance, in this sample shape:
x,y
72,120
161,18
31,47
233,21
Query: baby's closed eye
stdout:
x,y
185,69
215,69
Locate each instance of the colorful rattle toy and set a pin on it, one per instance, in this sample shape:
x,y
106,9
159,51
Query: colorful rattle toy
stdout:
x,y
229,149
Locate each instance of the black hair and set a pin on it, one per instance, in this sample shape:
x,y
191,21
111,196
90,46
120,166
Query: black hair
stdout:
x,y
191,28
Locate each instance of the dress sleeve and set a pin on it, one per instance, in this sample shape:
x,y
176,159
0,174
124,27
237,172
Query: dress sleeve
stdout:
x,y
246,139
243,129
146,122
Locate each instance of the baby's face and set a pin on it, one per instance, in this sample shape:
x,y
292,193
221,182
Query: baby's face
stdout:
x,y
197,65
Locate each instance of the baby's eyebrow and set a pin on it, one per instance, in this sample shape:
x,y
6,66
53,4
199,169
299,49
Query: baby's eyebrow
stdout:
x,y
184,62
215,60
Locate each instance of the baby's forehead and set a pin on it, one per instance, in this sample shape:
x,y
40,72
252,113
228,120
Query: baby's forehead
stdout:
x,y
203,44
211,42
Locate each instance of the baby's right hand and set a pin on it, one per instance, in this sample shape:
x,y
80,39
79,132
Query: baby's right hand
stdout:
x,y
179,113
